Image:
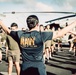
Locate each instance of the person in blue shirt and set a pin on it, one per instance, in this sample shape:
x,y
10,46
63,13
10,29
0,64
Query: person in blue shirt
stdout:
x,y
31,45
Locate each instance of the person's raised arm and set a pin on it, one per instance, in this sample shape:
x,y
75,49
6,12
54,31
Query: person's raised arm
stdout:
x,y
5,28
64,30
73,32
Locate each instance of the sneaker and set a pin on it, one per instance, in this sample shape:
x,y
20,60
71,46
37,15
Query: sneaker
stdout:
x,y
70,50
74,54
0,62
50,57
47,60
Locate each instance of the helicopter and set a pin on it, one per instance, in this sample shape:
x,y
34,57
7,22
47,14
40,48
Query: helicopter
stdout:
x,y
71,14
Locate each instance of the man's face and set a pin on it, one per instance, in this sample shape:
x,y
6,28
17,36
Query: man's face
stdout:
x,y
41,28
48,26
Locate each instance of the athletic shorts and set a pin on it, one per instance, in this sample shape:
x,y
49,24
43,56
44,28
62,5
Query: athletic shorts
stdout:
x,y
33,68
13,55
48,44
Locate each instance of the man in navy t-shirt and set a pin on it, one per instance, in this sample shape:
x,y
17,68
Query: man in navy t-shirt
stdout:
x,y
31,45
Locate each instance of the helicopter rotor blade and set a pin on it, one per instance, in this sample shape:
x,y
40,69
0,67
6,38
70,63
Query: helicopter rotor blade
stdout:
x,y
41,12
59,12
60,18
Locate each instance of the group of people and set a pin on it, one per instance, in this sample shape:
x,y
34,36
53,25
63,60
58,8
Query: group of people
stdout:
x,y
49,45
31,45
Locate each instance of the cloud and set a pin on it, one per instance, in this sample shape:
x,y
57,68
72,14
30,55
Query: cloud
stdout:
x,y
49,5
63,5
43,7
4,0
67,7
31,5
18,1
7,0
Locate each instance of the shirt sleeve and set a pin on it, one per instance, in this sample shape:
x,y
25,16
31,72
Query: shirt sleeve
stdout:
x,y
46,36
13,34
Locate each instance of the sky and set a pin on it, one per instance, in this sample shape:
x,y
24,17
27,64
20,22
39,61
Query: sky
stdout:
x,y
21,6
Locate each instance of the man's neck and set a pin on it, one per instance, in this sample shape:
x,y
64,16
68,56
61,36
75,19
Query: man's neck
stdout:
x,y
35,29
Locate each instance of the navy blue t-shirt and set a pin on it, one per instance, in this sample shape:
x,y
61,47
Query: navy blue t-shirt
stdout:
x,y
31,44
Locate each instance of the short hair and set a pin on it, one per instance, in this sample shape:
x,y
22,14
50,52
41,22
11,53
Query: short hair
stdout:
x,y
14,25
32,21
41,25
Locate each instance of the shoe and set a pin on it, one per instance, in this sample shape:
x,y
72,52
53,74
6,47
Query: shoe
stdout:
x,y
0,61
70,50
47,60
74,54
50,57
